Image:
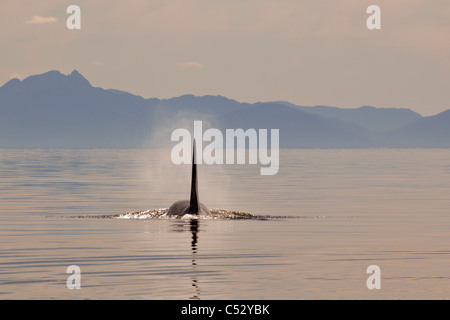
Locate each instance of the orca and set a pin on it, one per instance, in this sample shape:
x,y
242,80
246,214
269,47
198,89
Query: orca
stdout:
x,y
192,206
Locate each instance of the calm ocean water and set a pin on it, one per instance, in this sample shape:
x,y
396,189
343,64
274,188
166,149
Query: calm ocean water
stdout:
x,y
340,212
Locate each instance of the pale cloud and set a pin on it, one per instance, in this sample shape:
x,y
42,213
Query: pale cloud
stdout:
x,y
190,65
41,20
97,62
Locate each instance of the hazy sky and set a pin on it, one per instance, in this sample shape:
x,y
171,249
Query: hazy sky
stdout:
x,y
309,52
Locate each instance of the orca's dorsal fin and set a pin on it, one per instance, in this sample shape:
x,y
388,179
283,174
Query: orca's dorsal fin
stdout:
x,y
194,203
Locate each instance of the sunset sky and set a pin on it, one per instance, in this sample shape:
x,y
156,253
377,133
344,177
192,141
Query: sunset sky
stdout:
x,y
307,52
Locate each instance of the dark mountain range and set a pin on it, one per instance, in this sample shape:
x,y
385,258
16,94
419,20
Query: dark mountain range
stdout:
x,y
375,119
53,110
426,132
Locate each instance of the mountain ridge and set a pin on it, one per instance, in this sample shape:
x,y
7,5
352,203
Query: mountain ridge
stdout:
x,y
65,111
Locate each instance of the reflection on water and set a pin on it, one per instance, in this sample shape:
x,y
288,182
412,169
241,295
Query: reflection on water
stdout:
x,y
194,229
192,226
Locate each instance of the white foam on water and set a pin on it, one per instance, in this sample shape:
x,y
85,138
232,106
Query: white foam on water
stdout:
x,y
162,214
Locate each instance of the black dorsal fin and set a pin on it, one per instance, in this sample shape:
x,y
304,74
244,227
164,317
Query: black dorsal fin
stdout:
x,y
194,203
